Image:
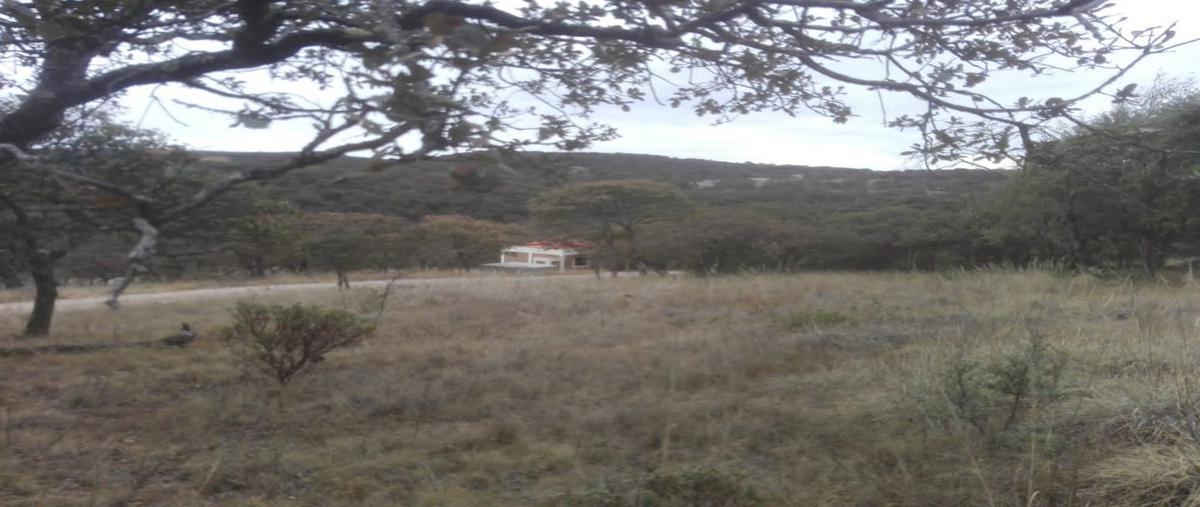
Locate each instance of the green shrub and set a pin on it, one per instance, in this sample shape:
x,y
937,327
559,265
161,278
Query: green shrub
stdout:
x,y
814,318
282,341
994,394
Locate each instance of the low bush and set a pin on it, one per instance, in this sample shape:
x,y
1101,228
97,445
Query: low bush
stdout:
x,y
282,341
994,394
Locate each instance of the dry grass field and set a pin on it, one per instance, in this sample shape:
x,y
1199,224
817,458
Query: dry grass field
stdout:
x,y
992,388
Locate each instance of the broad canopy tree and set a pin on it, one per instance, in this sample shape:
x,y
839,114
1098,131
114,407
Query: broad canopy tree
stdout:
x,y
460,242
103,179
410,79
345,242
1125,185
442,70
270,233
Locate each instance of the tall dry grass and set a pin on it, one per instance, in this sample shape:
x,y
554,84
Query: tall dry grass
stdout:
x,y
992,388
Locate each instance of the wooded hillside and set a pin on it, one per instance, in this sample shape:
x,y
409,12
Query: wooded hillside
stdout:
x,y
500,192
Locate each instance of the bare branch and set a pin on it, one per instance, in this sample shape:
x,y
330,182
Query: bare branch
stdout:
x,y
16,152
141,252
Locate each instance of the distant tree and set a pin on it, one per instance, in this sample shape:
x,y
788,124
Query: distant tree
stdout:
x,y
462,242
1123,188
1039,216
912,236
720,240
609,211
345,242
102,258
269,235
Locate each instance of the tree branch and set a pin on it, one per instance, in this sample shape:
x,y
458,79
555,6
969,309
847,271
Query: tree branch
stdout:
x,y
138,256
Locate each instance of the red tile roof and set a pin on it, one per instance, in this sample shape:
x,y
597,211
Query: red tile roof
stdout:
x,y
555,245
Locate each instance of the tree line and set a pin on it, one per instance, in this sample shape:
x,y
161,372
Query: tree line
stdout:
x,y
1115,193
410,80
1119,192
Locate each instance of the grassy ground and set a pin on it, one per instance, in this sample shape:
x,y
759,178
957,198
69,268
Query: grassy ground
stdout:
x,y
818,389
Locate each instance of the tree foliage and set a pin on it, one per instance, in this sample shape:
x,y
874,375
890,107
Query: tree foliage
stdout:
x,y
1123,188
283,341
270,234
409,79
345,242
606,209
462,243
102,179
723,240
11,266
441,69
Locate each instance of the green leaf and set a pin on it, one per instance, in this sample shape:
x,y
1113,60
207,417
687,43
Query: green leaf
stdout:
x,y
253,121
53,30
469,37
460,132
22,14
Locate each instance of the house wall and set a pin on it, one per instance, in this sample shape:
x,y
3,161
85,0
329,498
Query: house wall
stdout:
x,y
568,260
543,258
516,257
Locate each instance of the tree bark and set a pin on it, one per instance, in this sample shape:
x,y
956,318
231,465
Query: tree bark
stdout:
x,y
136,264
1152,258
46,283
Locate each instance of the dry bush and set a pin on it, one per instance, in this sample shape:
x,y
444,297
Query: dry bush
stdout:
x,y
282,341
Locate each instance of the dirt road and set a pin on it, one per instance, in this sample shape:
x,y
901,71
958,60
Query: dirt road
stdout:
x,y
228,292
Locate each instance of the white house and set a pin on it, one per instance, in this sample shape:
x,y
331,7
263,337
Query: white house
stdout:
x,y
544,255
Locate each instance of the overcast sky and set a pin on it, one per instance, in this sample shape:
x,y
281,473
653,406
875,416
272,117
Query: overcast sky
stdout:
x,y
762,137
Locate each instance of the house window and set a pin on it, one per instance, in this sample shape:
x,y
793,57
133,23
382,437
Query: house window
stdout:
x,y
581,262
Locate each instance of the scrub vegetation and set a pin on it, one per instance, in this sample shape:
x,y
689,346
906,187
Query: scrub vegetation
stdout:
x,y
967,388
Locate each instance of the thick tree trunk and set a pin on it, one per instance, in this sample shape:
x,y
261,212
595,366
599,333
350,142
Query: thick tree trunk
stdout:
x,y
1151,258
44,280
